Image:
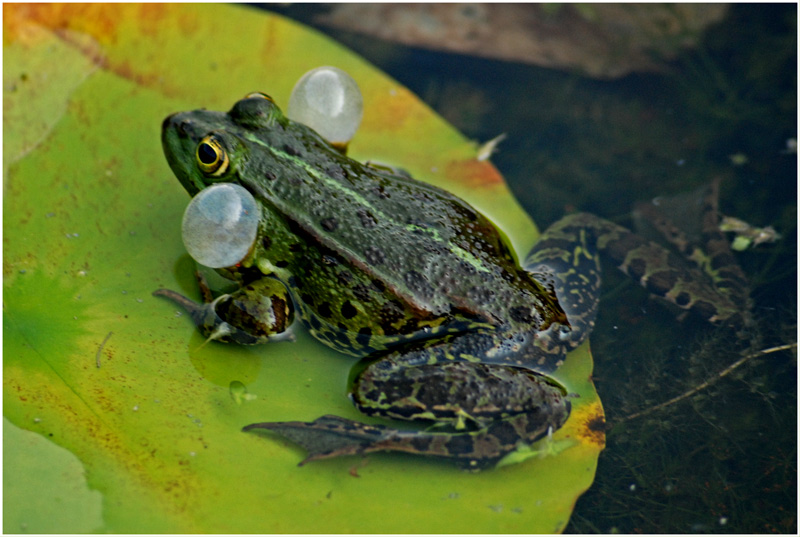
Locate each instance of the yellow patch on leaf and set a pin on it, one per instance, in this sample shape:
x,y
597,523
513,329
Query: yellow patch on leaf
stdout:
x,y
590,424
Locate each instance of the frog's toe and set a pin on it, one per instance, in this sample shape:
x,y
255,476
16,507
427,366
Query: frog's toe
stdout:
x,y
202,314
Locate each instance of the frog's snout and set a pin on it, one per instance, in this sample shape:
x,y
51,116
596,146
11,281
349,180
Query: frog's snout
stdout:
x,y
168,121
191,125
179,134
179,124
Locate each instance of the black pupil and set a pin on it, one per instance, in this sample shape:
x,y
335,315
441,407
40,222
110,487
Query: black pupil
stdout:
x,y
206,153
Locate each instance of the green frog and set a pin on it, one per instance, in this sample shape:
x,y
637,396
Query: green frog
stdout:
x,y
454,332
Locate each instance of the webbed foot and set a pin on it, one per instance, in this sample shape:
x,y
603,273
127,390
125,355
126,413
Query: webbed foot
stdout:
x,y
329,436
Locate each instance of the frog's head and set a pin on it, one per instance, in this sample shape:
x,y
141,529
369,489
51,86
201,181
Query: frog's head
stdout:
x,y
204,147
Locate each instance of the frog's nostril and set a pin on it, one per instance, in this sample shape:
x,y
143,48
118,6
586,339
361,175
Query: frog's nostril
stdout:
x,y
182,126
168,121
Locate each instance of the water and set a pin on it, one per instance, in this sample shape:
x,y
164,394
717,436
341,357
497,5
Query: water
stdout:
x,y
724,460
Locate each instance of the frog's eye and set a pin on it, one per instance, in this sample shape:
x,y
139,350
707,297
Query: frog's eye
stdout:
x,y
220,225
257,111
212,158
259,95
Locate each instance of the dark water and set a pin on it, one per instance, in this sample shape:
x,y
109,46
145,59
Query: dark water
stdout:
x,y
724,460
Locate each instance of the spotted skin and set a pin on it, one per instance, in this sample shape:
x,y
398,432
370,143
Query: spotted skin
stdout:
x,y
378,265
408,385
708,249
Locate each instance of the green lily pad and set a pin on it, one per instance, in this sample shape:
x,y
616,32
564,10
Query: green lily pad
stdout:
x,y
48,490
114,378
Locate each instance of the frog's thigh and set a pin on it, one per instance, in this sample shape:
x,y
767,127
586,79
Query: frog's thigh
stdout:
x,y
454,392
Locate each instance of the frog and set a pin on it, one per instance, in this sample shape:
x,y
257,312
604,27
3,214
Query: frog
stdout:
x,y
455,336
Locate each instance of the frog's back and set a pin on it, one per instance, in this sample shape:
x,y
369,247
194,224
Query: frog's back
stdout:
x,y
439,257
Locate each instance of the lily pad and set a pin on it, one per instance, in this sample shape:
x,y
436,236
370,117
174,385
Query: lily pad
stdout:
x,y
120,382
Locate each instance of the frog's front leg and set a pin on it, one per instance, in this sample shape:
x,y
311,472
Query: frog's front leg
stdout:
x,y
481,412
255,313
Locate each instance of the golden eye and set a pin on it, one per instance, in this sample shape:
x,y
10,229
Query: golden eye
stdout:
x,y
256,94
212,159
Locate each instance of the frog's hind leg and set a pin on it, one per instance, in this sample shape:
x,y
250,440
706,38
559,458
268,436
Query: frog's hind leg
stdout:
x,y
331,436
485,411
568,251
690,223
565,260
255,313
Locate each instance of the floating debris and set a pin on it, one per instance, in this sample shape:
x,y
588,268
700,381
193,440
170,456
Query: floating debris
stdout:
x,y
738,159
485,151
100,349
747,235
